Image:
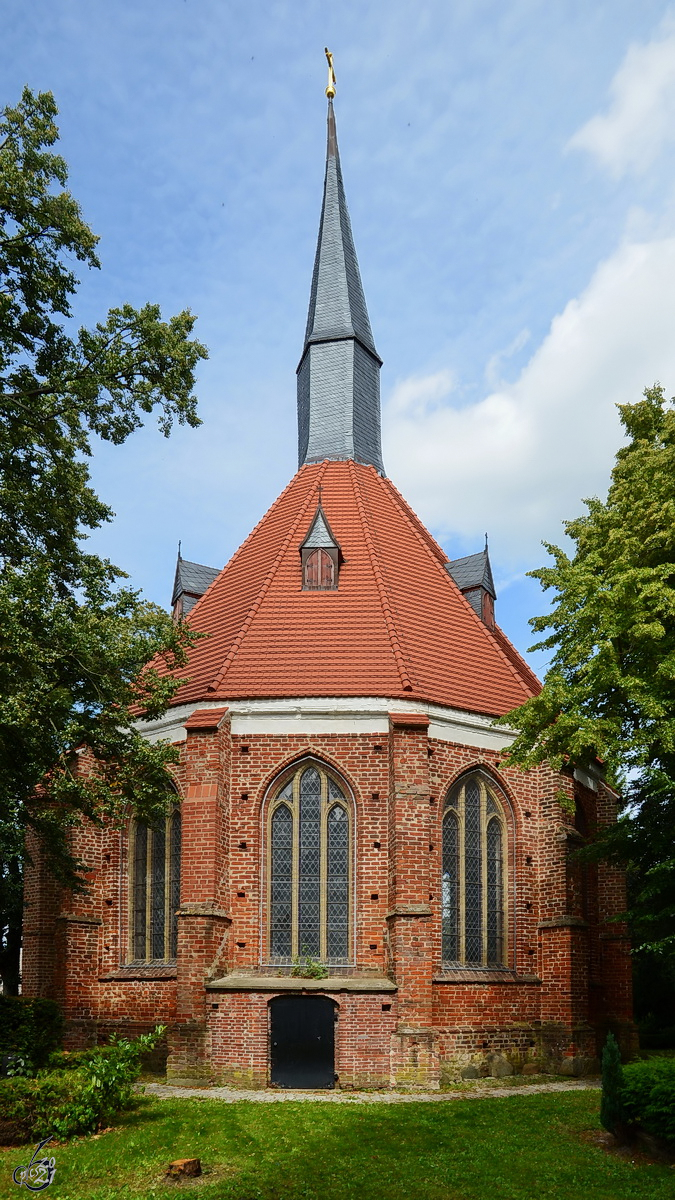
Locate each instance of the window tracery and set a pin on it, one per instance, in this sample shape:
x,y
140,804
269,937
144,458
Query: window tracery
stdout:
x,y
309,868
154,888
473,876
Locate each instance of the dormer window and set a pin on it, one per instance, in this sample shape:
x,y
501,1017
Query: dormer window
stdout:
x,y
320,556
192,580
473,576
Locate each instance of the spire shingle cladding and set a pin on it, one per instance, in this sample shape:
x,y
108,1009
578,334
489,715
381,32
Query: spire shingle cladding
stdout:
x,y
339,372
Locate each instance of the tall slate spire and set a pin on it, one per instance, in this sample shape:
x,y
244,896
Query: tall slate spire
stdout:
x,y
339,372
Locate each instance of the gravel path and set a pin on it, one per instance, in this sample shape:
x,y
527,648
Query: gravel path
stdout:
x,y
165,1091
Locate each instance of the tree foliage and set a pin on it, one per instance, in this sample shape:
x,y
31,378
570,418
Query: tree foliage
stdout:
x,y
612,1084
610,691
73,640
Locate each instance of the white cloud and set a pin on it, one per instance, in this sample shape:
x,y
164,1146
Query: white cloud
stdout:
x,y
520,460
493,370
640,119
420,395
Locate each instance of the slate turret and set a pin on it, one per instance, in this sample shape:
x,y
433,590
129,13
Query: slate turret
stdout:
x,y
339,372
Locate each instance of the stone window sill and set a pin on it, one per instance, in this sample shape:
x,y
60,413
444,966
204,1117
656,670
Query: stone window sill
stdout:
x,y
159,969
291,983
483,975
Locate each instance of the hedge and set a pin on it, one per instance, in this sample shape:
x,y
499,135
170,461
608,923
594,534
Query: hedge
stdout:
x,y
80,1098
648,1096
72,1060
31,1029
59,1103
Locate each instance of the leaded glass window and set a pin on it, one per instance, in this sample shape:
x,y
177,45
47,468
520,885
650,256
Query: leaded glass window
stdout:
x,y
309,862
154,893
473,895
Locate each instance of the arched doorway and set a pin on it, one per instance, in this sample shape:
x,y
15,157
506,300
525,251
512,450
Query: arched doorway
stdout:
x,y
302,1042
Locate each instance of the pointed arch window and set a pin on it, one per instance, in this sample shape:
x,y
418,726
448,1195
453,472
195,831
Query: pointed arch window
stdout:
x,y
474,874
309,868
154,888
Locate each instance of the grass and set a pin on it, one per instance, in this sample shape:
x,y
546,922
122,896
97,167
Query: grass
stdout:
x,y
518,1148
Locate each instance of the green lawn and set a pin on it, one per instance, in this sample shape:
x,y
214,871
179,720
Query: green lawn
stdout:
x,y
513,1148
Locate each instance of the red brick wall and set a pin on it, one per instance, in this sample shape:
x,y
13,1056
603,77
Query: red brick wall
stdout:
x,y
239,1035
559,927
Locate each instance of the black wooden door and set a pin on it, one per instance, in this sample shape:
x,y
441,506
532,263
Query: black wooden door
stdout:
x,y
302,1041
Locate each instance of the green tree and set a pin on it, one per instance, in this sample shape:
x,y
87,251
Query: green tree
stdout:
x,y
610,691
611,1115
73,641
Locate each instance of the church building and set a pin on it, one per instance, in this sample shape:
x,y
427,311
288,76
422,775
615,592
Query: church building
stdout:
x,y
352,888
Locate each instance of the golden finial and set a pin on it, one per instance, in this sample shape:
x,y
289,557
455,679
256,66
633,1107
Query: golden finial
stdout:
x,y
330,90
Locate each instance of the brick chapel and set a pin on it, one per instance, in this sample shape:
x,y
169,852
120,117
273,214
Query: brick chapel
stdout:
x,y
352,888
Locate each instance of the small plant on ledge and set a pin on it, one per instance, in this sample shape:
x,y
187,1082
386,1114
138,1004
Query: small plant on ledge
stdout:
x,y
306,967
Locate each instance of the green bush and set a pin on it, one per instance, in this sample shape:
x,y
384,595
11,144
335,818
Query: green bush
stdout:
x,y
78,1099
648,1096
31,1029
72,1060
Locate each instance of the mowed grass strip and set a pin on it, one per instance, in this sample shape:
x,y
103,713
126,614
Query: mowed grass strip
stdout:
x,y
512,1148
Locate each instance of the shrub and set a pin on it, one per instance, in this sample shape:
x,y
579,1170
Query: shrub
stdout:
x,y
77,1099
30,1029
72,1060
648,1096
612,1083
33,1108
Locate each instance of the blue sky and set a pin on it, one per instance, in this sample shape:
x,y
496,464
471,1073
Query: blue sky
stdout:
x,y
510,175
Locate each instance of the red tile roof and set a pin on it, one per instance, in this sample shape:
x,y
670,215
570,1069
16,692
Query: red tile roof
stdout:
x,y
396,626
205,718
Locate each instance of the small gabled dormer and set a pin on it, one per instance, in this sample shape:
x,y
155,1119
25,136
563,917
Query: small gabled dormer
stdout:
x,y
473,576
191,581
320,555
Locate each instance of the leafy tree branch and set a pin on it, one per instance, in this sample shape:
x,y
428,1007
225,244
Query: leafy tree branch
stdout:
x,y
610,691
74,642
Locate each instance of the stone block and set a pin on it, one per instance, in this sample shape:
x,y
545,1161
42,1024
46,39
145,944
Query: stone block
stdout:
x,y
500,1067
470,1072
578,1066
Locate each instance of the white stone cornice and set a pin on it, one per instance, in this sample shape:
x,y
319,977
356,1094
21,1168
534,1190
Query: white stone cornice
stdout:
x,y
333,714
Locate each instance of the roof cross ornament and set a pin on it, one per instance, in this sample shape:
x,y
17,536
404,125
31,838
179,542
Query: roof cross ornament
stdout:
x,y
330,90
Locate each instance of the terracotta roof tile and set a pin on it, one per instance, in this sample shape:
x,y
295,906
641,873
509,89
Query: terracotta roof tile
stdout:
x,y
397,625
409,720
205,718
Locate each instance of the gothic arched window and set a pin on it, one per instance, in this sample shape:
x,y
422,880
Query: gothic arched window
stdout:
x,y
474,874
309,868
154,877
